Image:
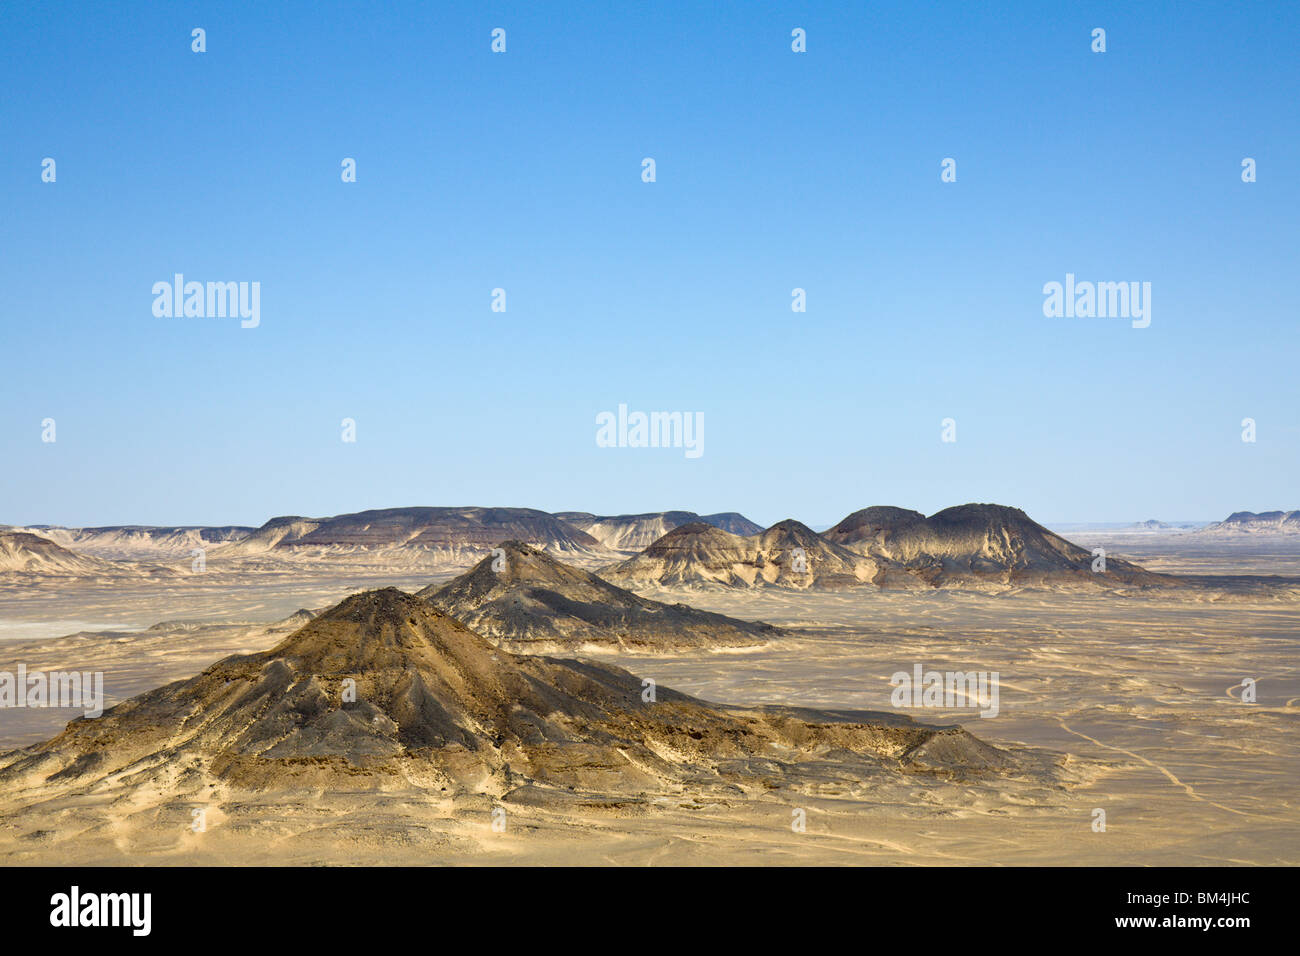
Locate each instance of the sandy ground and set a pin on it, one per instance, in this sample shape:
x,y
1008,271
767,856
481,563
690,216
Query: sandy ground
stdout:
x,y
1139,697
1198,554
47,608
1149,688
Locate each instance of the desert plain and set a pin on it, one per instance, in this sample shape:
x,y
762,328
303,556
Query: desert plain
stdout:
x,y
1125,703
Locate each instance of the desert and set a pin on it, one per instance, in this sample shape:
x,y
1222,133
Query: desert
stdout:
x,y
432,686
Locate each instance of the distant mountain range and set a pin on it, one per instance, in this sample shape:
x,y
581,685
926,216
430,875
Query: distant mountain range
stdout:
x,y
884,546
27,554
140,542
440,536
1248,522
969,545
418,537
1153,525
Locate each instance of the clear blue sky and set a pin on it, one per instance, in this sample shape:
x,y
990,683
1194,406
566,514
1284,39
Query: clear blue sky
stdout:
x,y
523,171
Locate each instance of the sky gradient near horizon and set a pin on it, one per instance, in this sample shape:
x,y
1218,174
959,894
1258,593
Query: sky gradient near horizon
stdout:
x,y
522,170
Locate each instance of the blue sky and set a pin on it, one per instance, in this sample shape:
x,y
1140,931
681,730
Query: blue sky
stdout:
x,y
522,171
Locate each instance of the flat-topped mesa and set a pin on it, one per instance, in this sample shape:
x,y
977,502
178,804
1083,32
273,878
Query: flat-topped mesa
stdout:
x,y
732,521
142,542
628,532
23,555
385,688
278,532
526,599
455,536
21,551
635,532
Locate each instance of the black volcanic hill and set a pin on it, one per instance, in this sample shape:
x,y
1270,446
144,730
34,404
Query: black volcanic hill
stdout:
x,y
981,543
436,707
872,525
535,600
789,546
975,545
689,555
788,555
732,521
